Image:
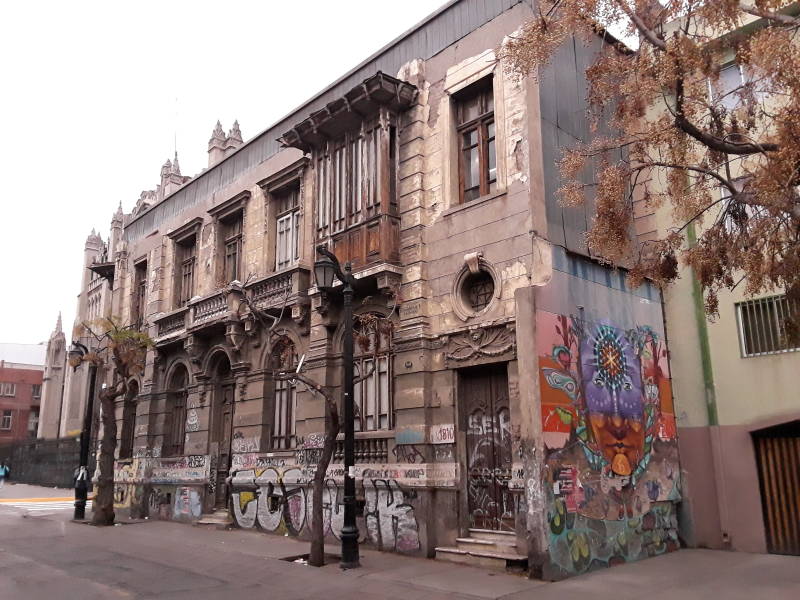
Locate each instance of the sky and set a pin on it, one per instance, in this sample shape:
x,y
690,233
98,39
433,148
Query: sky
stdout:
x,y
96,96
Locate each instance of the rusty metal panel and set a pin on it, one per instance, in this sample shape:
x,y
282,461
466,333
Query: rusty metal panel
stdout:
x,y
778,458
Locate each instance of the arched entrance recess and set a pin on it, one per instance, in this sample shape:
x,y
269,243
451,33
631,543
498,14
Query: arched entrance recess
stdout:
x,y
222,408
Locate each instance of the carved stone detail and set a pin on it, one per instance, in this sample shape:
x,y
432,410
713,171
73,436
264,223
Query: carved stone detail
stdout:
x,y
488,344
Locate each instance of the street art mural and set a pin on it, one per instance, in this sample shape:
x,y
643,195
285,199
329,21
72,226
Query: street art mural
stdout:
x,y
611,468
279,500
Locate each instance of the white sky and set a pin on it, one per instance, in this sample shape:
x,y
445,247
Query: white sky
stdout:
x,y
89,112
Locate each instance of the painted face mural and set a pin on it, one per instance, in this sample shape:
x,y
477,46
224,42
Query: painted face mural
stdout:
x,y
613,395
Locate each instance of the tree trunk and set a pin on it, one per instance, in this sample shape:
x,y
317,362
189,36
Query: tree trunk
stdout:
x,y
316,557
103,513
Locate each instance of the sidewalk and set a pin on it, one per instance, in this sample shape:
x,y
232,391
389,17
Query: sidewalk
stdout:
x,y
16,491
46,557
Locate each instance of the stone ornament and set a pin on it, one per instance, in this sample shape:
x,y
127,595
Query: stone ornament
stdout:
x,y
477,345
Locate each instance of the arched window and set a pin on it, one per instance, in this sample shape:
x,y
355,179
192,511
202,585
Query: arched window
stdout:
x,y
372,350
175,421
128,432
283,358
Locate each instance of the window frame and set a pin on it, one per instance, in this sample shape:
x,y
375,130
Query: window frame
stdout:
x,y
7,416
34,388
8,389
185,248
287,212
176,409
232,234
483,90
379,380
283,429
139,292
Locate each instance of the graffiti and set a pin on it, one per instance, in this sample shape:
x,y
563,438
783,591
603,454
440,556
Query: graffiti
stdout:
x,y
609,432
280,501
239,443
390,520
277,502
409,453
444,453
187,503
179,470
313,440
212,479
192,420
443,434
122,497
147,452
155,499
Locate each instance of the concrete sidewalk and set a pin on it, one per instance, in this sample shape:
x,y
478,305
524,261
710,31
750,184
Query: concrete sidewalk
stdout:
x,y
15,491
48,557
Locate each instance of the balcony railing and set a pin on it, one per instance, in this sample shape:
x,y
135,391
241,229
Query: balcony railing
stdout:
x,y
272,292
209,308
367,450
171,322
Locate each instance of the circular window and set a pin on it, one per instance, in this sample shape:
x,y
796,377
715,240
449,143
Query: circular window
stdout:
x,y
477,290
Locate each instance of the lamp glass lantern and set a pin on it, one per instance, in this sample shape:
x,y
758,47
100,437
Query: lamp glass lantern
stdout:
x,y
324,272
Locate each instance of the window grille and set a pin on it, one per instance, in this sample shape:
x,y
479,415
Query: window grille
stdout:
x,y
762,325
175,426
373,395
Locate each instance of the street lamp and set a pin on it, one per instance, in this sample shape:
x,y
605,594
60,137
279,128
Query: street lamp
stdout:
x,y
325,270
76,353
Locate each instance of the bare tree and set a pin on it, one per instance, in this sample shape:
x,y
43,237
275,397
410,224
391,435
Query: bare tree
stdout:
x,y
122,349
719,146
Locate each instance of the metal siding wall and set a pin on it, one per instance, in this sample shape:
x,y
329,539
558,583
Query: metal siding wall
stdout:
x,y
455,22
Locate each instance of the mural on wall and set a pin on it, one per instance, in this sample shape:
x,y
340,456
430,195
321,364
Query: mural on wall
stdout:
x,y
279,500
611,468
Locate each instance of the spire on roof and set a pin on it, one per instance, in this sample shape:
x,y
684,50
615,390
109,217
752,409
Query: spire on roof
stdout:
x,y
235,133
58,323
218,133
176,168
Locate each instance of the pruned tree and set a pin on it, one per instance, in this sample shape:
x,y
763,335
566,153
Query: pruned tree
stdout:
x,y
715,140
371,331
122,350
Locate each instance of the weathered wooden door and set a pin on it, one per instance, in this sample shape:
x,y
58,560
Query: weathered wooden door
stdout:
x,y
484,400
221,438
778,456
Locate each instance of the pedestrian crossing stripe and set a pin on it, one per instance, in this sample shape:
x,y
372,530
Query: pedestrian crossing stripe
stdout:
x,y
44,506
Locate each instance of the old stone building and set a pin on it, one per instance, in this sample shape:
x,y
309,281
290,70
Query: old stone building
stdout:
x,y
519,409
53,384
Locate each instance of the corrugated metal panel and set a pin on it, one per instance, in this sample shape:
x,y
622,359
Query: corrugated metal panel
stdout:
x,y
444,28
778,456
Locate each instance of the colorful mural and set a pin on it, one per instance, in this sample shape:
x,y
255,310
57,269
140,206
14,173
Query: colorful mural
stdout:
x,y
611,467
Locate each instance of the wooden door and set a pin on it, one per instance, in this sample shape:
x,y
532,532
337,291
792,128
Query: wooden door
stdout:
x,y
778,457
484,402
221,438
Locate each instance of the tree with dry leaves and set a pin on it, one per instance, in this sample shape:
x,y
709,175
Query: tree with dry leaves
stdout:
x,y
705,116
122,350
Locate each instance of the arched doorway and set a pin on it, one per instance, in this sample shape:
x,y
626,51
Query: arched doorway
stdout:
x,y
221,428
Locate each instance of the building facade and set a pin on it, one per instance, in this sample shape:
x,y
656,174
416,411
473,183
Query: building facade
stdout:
x,y
21,367
522,392
53,384
736,393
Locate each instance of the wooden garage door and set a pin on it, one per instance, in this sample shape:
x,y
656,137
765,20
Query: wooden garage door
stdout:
x,y
778,455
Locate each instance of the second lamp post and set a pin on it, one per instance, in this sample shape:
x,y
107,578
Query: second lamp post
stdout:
x,y
326,269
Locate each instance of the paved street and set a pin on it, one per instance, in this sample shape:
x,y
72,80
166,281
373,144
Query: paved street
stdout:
x,y
45,556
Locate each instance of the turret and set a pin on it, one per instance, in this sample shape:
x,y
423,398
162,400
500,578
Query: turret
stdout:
x,y
216,145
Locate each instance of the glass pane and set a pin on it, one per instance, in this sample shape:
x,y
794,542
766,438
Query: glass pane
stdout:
x,y
730,79
471,164
492,166
469,109
470,138
488,100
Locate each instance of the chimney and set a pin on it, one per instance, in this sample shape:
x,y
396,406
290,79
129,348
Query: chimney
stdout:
x,y
234,139
216,145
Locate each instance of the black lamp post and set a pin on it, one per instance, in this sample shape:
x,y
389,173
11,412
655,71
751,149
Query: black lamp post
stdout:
x,y
76,353
325,270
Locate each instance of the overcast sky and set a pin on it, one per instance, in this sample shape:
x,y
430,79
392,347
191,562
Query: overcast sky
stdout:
x,y
95,93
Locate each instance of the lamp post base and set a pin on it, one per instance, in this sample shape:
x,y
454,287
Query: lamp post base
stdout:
x,y
350,554
81,494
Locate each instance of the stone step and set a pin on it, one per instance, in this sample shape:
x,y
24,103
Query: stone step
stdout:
x,y
503,537
481,558
219,518
471,543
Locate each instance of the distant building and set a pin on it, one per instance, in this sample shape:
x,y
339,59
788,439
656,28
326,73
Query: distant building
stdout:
x,y
21,372
50,412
